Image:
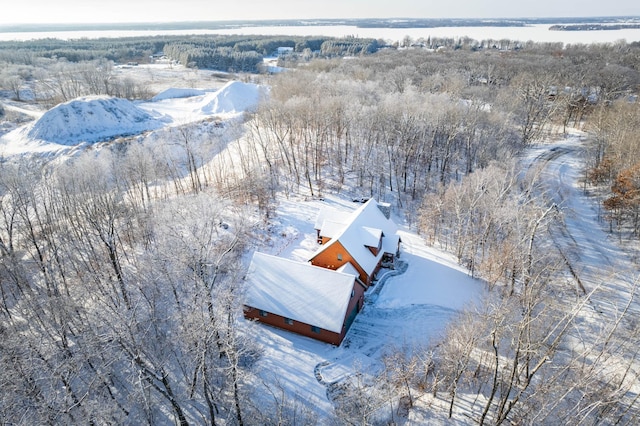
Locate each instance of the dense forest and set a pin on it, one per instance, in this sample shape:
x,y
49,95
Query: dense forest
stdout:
x,y
121,269
61,70
223,52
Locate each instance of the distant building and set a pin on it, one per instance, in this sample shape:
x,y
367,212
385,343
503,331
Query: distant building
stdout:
x,y
285,50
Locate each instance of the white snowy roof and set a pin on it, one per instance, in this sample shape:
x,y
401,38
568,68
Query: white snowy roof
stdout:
x,y
329,216
300,291
371,236
362,227
331,228
390,243
348,268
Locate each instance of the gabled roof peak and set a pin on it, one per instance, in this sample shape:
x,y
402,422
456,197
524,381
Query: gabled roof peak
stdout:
x,y
363,228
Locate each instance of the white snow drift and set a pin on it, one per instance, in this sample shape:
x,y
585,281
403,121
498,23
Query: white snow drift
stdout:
x,y
234,97
176,93
91,119
94,119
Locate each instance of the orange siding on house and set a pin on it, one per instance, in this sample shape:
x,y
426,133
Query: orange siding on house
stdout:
x,y
328,258
297,327
304,329
322,239
374,250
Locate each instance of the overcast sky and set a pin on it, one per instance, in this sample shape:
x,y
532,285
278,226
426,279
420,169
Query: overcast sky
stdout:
x,y
89,11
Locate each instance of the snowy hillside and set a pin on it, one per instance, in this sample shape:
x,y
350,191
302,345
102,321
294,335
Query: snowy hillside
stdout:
x,y
100,118
234,97
175,93
179,105
91,119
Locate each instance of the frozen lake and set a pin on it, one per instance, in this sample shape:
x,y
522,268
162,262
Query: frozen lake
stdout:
x,y
535,32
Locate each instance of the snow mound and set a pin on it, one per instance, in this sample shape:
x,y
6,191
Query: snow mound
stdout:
x,y
233,97
175,93
91,119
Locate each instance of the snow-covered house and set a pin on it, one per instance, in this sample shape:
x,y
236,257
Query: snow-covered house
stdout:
x,y
296,296
366,238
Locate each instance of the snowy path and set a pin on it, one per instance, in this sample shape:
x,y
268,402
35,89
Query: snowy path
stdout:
x,y
29,112
597,259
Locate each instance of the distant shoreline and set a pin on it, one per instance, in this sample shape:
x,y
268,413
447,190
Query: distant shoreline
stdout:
x,y
594,27
572,23
577,30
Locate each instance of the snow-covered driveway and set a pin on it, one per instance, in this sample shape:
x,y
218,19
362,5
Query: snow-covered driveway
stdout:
x,y
598,259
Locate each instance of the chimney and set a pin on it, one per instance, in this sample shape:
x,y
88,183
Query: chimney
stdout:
x,y
385,208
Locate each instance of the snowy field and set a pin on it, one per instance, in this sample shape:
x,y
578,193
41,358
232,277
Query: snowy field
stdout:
x,y
403,310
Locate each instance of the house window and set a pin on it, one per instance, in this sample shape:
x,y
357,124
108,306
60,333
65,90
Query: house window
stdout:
x,y
262,313
339,257
353,292
315,329
288,321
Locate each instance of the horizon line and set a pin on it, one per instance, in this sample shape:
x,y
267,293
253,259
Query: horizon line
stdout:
x,y
308,20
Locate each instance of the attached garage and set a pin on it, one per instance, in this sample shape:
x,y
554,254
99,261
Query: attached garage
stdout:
x,y
299,297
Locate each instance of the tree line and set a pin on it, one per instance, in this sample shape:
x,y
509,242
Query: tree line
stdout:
x,y
614,164
219,58
139,49
60,70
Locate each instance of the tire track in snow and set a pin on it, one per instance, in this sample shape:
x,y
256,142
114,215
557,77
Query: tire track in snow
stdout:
x,y
592,256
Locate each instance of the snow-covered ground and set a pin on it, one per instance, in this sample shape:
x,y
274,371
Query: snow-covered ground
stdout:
x,y
406,309
601,264
88,120
179,106
414,307
599,259
164,74
402,311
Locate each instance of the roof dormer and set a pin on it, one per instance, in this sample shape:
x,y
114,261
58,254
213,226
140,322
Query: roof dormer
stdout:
x,y
372,239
